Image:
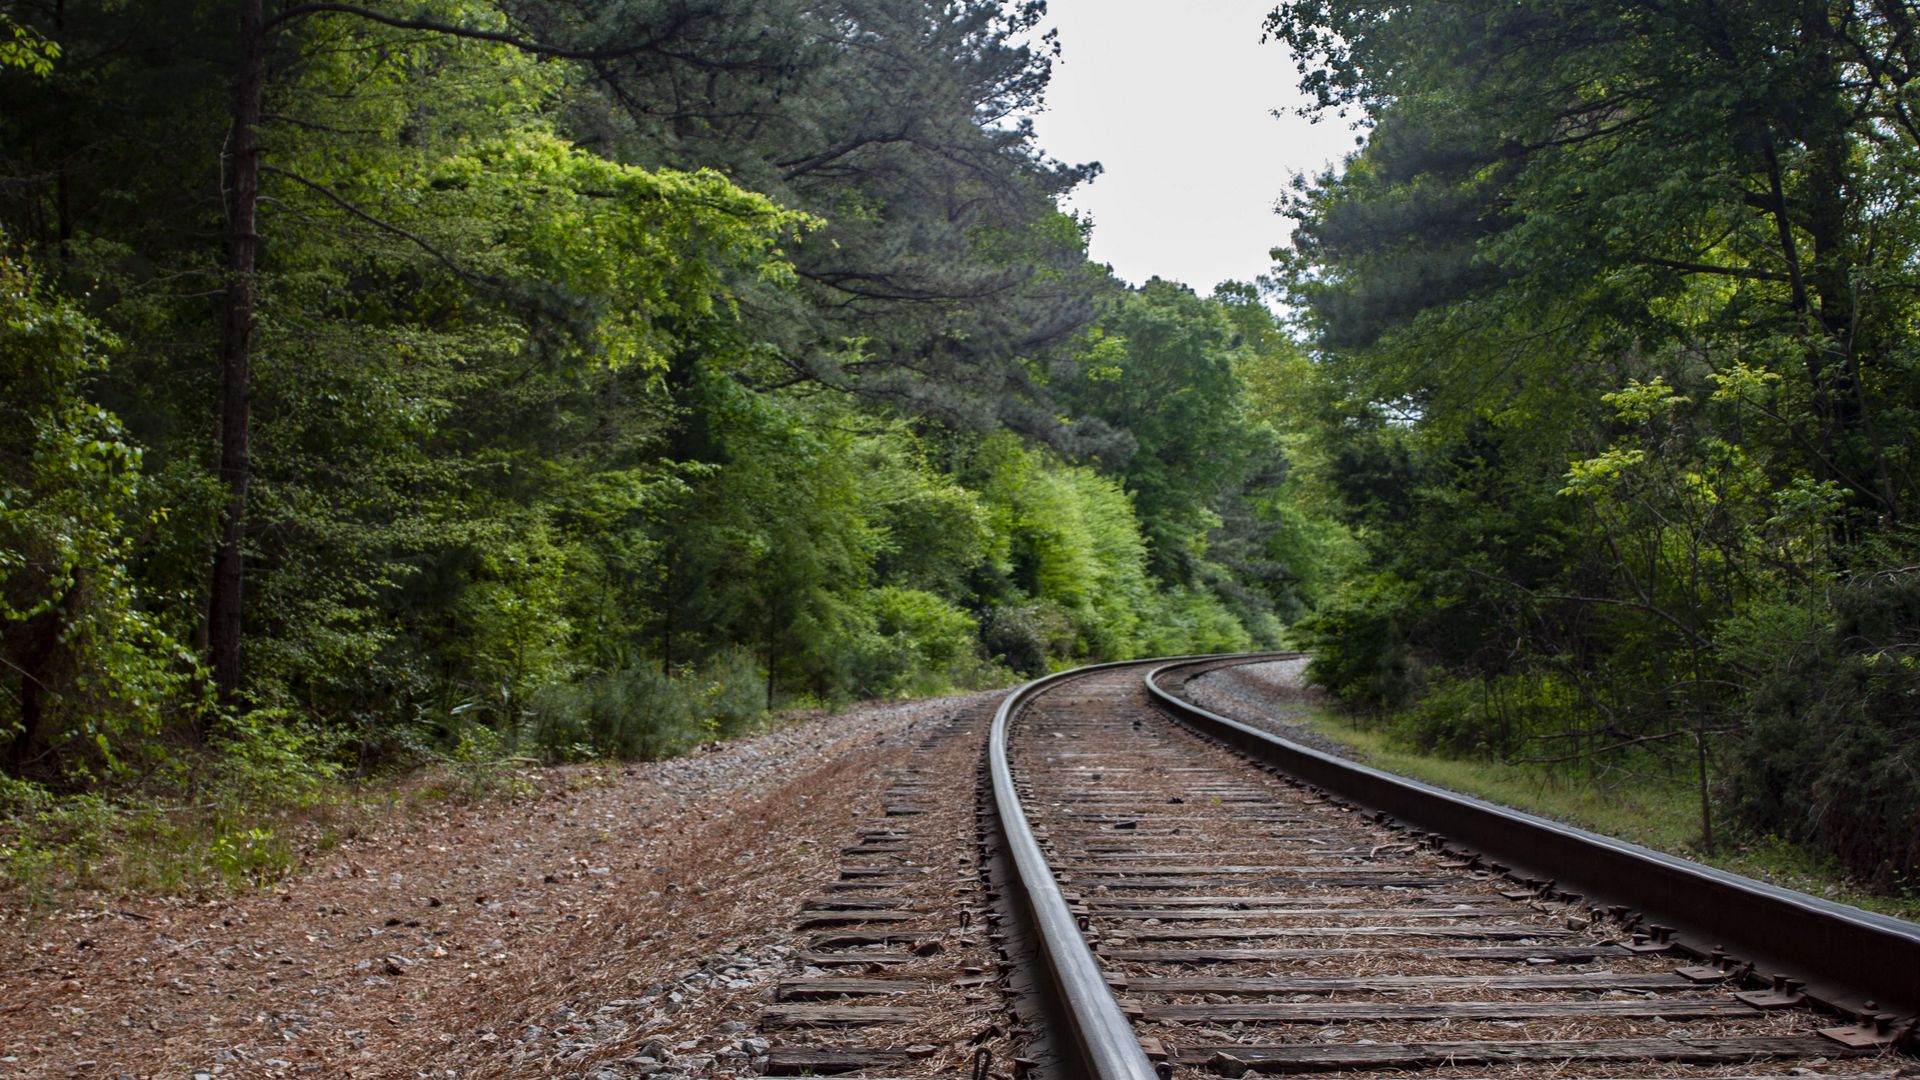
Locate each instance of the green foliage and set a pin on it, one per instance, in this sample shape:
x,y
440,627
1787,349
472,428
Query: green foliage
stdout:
x,y
1358,642
1616,376
921,643
1159,367
132,841
514,631
593,410
250,857
643,712
1831,754
270,756
1069,539
23,48
1184,620
943,266
1025,637
90,672
47,840
1312,550
1495,718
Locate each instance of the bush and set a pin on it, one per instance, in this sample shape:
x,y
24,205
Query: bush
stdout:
x,y
44,838
641,712
1489,717
52,843
1831,755
1360,653
638,711
1184,620
88,672
265,756
920,644
1026,637
732,693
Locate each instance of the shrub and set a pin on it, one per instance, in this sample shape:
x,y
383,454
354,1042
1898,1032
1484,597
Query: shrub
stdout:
x,y
267,756
1360,653
1185,620
1488,717
733,692
1026,637
1831,755
88,672
641,712
920,644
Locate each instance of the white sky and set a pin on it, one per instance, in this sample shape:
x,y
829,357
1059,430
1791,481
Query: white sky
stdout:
x,y
1175,98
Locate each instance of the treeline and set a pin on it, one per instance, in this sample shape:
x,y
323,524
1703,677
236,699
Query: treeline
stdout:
x,y
471,377
1615,384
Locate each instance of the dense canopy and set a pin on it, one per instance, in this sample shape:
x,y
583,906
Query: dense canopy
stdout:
x,y
397,382
1619,376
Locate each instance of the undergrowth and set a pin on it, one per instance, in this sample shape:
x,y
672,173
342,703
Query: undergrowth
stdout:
x,y
265,795
150,842
259,800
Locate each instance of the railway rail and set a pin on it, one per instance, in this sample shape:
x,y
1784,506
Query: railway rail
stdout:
x,y
1209,899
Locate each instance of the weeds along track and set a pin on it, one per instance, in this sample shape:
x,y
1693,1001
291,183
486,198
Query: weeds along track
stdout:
x,y
1238,920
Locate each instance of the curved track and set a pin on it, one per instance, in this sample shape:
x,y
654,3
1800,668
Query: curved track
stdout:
x,y
1245,921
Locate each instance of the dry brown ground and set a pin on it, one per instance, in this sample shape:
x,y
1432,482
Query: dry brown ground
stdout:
x,y
544,936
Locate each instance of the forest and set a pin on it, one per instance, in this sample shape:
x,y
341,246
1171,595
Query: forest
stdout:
x,y
1616,380
441,382
407,383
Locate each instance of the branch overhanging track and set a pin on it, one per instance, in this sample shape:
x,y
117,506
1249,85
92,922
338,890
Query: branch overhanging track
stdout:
x,y
1221,918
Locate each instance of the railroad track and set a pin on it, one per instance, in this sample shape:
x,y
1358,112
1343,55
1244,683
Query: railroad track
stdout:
x,y
1163,892
1207,915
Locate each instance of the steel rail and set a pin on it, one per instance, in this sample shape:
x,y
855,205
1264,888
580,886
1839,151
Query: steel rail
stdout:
x,y
1845,955
1100,1034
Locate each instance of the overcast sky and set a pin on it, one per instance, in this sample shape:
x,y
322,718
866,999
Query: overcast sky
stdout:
x,y
1175,98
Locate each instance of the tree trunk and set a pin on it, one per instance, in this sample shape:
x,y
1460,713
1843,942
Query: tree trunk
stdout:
x,y
243,197
772,652
1706,797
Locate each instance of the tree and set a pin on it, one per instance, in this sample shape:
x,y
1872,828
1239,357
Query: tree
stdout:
x,y
1614,313
1159,367
584,363
283,45
1569,177
91,673
943,264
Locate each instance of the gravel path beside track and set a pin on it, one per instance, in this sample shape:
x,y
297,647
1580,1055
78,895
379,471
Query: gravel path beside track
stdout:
x,y
1273,696
565,933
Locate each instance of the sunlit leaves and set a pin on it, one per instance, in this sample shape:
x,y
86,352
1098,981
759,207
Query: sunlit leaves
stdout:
x,y
23,48
92,670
